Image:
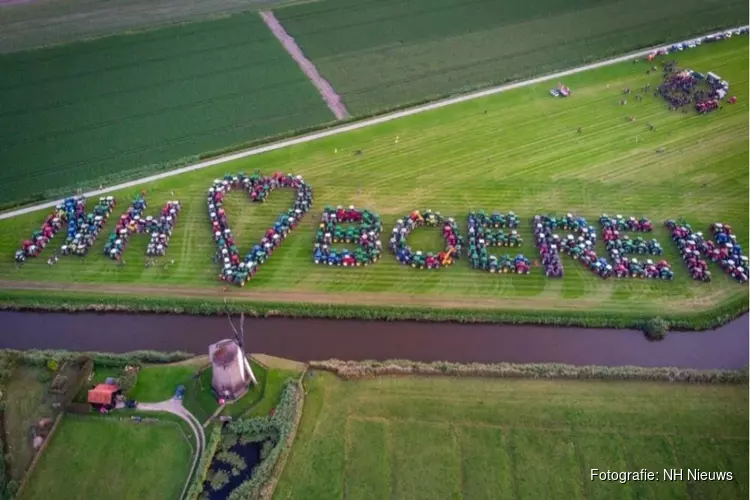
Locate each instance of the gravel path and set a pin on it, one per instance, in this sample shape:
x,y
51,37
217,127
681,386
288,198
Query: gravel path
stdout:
x,y
175,407
345,128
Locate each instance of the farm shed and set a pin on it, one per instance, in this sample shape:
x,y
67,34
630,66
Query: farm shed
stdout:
x,y
104,396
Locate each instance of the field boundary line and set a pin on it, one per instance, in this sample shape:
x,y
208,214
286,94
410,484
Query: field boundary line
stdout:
x,y
569,429
327,92
356,125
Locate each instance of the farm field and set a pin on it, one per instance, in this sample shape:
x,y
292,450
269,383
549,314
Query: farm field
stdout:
x,y
381,54
108,457
26,25
95,112
518,150
425,438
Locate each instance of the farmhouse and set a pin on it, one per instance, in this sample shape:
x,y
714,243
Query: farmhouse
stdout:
x,y
104,396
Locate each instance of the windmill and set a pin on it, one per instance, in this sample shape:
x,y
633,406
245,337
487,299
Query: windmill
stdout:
x,y
232,373
239,338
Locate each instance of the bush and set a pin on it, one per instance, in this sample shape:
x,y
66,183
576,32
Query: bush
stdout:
x,y
656,328
44,377
40,358
368,369
52,365
281,425
12,487
234,460
218,479
127,380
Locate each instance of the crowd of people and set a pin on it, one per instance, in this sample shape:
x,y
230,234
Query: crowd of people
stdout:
x,y
681,88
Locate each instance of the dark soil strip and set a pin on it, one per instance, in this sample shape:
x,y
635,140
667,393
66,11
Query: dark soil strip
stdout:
x,y
329,95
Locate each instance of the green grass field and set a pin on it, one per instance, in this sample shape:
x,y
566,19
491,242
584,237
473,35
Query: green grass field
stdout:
x,y
98,111
518,150
27,25
428,438
387,53
101,457
25,404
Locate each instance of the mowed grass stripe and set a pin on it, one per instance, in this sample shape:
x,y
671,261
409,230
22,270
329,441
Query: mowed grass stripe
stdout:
x,y
653,454
434,425
425,462
368,468
523,154
709,455
486,467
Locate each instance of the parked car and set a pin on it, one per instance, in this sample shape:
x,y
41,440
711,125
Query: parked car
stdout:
x,y
131,403
180,392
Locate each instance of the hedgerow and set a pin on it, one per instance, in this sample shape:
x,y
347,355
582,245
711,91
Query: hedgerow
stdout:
x,y
196,484
282,425
37,357
367,369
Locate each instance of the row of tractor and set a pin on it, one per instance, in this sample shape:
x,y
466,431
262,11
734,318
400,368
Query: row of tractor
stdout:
x,y
83,228
624,245
569,222
363,230
689,246
482,236
406,256
727,252
83,232
161,229
620,223
497,219
548,245
130,222
234,269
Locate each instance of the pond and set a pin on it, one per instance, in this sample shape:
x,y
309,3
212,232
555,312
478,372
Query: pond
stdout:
x,y
232,466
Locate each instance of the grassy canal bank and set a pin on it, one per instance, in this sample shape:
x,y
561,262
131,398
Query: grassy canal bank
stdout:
x,y
163,302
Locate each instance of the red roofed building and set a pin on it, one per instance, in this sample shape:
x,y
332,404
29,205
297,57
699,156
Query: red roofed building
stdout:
x,y
104,396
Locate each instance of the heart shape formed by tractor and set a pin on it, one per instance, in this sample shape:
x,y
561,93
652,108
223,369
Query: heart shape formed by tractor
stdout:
x,y
236,270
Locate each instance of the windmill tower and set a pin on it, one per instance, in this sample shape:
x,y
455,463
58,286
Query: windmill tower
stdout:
x,y
232,373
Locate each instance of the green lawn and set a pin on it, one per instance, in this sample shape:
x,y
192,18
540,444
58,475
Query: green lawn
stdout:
x,y
199,398
95,112
383,54
518,150
275,380
25,404
93,458
426,438
159,382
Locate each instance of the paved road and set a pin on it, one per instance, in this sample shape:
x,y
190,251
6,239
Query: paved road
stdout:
x,y
347,128
175,407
